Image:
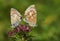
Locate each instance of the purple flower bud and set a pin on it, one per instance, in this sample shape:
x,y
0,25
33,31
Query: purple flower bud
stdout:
x,y
21,27
17,29
10,33
26,29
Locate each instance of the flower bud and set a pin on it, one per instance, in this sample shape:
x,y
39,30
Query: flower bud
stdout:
x,y
21,27
26,29
10,33
17,29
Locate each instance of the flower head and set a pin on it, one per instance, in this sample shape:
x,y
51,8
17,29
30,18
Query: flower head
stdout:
x,y
22,28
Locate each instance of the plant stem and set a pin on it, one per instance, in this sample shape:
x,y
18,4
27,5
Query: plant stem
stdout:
x,y
23,39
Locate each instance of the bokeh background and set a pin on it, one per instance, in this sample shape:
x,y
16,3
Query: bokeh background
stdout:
x,y
48,18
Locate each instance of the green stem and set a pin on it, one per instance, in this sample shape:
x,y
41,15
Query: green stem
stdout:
x,y
23,39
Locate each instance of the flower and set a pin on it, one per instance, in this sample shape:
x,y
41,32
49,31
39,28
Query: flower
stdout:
x,y
22,28
10,33
21,31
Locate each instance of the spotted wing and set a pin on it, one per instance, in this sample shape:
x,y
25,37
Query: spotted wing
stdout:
x,y
31,15
15,17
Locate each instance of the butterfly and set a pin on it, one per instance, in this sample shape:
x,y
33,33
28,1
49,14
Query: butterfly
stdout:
x,y
30,16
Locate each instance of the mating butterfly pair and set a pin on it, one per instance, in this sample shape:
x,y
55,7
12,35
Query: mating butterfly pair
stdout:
x,y
30,16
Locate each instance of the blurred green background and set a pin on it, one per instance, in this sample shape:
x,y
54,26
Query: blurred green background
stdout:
x,y
48,18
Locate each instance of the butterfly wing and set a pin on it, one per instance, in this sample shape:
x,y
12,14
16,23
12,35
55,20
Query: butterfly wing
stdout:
x,y
30,16
15,17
